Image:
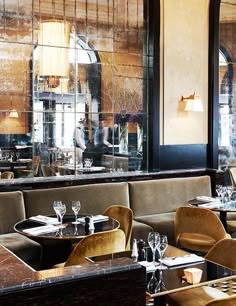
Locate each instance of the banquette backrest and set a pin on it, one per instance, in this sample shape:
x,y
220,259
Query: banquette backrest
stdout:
x,y
165,195
94,198
12,210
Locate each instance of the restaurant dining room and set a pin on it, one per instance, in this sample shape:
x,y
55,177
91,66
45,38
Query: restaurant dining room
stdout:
x,y
117,159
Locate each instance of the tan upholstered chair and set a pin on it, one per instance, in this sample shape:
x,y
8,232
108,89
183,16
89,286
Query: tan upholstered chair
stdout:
x,y
95,245
31,170
7,175
229,301
220,253
198,229
124,215
232,174
47,171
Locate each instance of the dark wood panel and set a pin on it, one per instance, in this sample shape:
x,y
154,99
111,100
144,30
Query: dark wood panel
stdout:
x,y
183,156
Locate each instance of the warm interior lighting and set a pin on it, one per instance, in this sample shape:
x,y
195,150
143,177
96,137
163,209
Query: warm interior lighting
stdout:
x,y
193,103
13,114
54,39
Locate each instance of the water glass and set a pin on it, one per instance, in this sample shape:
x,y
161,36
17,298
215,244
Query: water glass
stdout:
x,y
60,210
162,247
76,208
153,241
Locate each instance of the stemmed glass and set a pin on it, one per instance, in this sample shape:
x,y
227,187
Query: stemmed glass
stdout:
x,y
76,208
153,285
60,210
162,247
153,241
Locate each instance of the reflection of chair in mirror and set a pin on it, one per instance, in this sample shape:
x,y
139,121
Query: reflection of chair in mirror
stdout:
x,y
47,171
220,253
232,174
198,229
124,216
55,165
31,170
7,175
96,245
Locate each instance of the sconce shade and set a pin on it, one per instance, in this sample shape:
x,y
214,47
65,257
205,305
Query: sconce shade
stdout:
x,y
193,103
54,39
13,114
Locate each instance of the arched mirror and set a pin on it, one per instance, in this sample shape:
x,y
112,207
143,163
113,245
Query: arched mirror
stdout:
x,y
227,79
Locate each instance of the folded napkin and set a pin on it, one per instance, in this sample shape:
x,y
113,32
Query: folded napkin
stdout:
x,y
216,204
205,199
182,260
148,265
97,218
45,219
41,230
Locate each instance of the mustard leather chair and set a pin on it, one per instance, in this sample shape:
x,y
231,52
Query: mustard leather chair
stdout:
x,y
220,253
124,215
96,245
197,228
7,175
229,301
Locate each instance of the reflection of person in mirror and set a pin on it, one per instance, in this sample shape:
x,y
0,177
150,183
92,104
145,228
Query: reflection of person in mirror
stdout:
x,y
79,141
101,135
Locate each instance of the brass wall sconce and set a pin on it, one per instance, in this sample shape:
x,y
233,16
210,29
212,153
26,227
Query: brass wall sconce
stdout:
x,y
193,103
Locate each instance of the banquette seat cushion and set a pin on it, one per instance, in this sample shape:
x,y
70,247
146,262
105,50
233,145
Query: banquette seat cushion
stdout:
x,y
12,210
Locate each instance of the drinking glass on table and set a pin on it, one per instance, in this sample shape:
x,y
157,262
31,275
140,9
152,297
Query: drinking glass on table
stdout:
x,y
153,241
60,210
162,247
76,208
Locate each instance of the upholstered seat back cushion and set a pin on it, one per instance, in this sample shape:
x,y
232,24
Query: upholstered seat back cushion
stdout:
x,y
11,210
165,195
94,198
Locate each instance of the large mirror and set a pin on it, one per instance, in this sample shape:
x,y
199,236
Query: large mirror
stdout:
x,y
73,88
227,111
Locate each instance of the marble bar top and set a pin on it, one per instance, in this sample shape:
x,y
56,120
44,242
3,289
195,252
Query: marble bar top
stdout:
x,y
82,179
16,275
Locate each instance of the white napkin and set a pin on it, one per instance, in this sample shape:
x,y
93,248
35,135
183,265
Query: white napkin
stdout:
x,y
45,219
182,260
41,230
212,205
206,199
148,265
97,218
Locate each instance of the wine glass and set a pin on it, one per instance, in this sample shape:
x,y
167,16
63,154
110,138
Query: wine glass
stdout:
x,y
76,208
162,247
56,207
153,285
153,241
62,211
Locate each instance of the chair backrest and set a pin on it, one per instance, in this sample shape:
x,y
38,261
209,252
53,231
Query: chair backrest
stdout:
x,y
222,253
232,174
95,245
36,161
47,171
125,217
7,175
228,301
198,220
